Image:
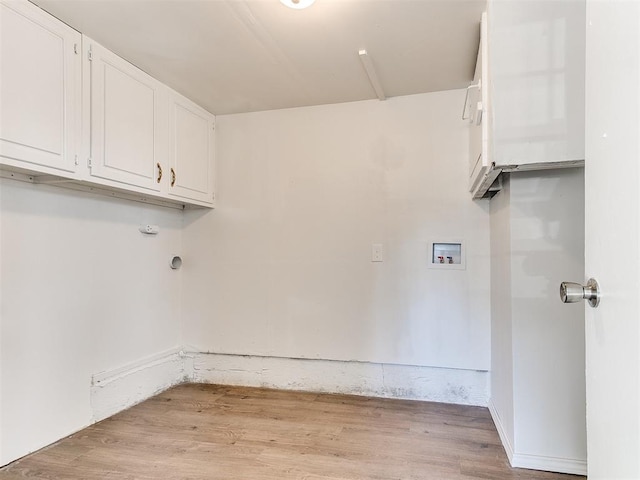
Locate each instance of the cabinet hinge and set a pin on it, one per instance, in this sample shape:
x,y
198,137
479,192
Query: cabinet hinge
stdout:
x,y
90,55
75,48
76,160
89,161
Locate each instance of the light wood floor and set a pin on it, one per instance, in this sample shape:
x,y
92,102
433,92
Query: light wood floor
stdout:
x,y
195,432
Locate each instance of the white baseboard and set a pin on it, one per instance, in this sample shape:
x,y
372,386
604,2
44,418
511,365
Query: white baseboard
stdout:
x,y
466,387
549,464
535,462
116,390
502,433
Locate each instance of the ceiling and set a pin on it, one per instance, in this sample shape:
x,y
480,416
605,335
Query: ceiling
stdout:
x,y
235,56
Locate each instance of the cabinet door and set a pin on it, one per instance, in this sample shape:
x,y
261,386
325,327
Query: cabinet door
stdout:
x,y
474,96
191,150
537,63
127,111
481,170
40,91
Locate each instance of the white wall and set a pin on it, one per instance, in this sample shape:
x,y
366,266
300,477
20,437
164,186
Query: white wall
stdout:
x,y
538,240
501,404
283,266
82,292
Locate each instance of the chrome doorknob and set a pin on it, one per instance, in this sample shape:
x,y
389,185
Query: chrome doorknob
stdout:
x,y
574,292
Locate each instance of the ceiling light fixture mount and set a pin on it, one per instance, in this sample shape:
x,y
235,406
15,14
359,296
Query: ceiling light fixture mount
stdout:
x,y
297,4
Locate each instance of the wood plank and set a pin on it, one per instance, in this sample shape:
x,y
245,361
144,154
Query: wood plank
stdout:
x,y
204,432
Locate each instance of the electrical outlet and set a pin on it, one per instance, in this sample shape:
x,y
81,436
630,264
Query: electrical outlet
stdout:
x,y
376,252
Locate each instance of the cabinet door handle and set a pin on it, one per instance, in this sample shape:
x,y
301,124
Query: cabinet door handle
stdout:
x,y
159,173
173,177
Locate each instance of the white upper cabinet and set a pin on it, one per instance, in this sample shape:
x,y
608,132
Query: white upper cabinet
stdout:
x,y
128,121
481,172
40,90
191,150
75,114
537,71
533,64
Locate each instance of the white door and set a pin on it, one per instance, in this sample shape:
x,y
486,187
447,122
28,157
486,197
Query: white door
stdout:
x,y
612,191
40,75
191,150
127,110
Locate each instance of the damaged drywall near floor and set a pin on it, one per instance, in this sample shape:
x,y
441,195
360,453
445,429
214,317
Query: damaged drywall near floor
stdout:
x,y
119,389
449,385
